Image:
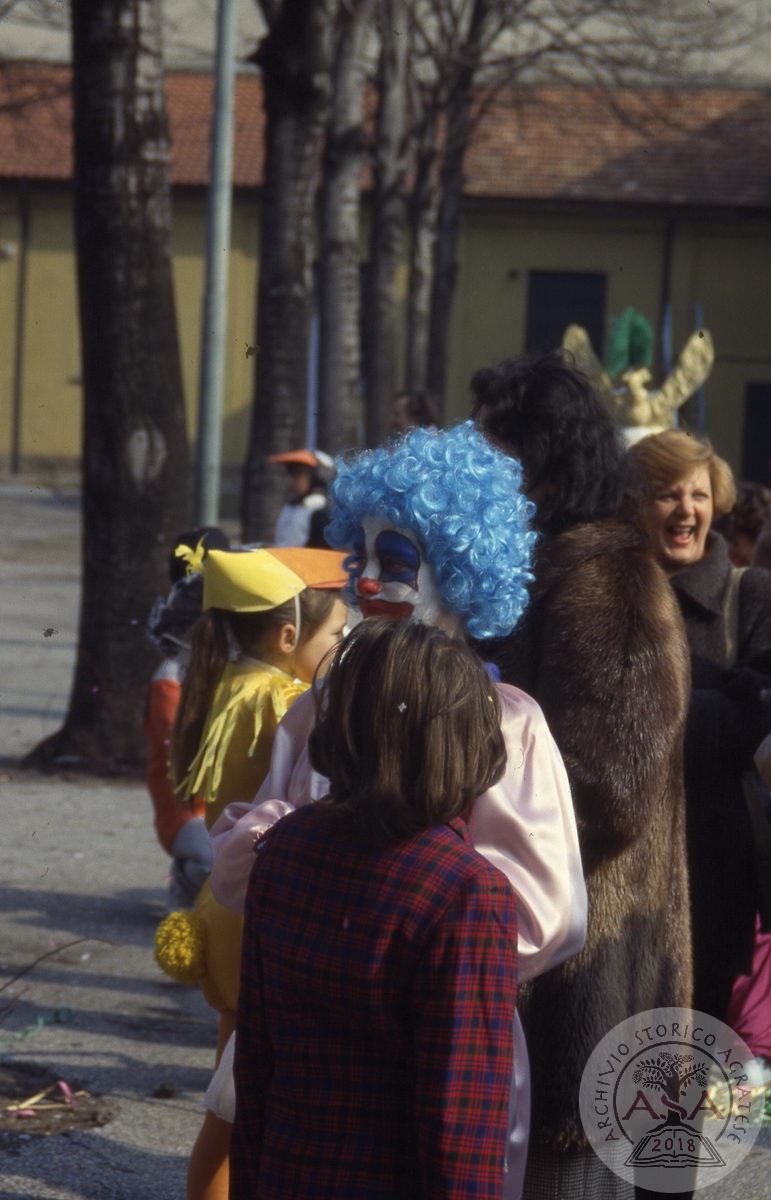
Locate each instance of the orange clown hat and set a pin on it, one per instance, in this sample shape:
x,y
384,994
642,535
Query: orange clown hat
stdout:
x,y
317,568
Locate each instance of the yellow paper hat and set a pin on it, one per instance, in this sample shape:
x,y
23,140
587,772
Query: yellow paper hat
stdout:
x,y
251,581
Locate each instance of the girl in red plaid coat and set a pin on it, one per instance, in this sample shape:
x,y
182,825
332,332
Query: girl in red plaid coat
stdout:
x,y
374,1040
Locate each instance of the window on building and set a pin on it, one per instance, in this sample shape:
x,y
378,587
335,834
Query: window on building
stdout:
x,y
556,299
756,441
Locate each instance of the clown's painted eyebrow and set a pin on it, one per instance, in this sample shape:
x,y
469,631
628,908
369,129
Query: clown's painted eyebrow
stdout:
x,y
399,558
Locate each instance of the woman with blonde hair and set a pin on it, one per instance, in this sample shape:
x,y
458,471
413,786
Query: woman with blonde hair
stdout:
x,y
684,481
727,614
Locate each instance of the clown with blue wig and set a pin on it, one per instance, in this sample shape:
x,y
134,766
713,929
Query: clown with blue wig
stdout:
x,y
437,530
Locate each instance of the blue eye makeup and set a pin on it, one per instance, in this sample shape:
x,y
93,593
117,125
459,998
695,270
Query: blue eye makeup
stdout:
x,y
398,557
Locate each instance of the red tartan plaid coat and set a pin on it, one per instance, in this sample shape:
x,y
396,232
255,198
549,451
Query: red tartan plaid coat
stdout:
x,y
374,1044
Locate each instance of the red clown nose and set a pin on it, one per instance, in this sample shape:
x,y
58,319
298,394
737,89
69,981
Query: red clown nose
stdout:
x,y
368,587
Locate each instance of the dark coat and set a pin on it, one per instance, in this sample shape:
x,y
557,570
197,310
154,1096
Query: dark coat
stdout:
x,y
603,652
725,726
375,1019
762,555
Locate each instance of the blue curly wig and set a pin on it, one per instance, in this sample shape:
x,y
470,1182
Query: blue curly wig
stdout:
x,y
462,498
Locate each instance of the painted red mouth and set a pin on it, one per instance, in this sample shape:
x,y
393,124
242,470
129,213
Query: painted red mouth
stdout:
x,y
384,608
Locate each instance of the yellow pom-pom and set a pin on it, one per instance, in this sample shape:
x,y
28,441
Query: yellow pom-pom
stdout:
x,y
180,947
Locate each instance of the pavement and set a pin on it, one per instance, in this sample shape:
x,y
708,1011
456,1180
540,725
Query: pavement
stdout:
x,y
78,859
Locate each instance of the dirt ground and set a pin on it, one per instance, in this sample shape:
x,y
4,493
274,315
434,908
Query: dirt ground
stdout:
x,y
79,860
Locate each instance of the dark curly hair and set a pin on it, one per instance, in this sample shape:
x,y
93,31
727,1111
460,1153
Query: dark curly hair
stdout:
x,y
543,411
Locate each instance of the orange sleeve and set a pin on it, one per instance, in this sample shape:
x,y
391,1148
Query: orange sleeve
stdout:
x,y
169,813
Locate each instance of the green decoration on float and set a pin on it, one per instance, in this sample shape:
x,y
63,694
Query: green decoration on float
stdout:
x,y
630,343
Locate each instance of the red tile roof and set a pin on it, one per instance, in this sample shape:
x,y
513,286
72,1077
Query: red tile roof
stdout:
x,y
688,147
685,147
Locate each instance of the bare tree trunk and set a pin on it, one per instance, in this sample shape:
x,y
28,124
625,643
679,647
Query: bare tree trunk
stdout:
x,y
423,213
135,460
388,222
451,180
445,265
340,422
296,60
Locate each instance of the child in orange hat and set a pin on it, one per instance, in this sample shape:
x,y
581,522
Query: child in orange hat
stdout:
x,y
269,618
306,511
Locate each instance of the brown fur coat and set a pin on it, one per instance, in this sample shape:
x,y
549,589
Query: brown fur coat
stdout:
x,y
602,650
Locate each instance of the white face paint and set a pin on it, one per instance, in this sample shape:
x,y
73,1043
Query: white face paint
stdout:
x,y
392,578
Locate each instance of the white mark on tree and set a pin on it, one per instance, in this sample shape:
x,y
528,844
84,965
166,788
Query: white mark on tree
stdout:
x,y
146,453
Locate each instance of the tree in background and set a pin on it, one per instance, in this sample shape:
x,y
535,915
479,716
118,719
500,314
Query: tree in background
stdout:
x,y
340,408
135,461
443,63
387,230
471,45
465,53
296,59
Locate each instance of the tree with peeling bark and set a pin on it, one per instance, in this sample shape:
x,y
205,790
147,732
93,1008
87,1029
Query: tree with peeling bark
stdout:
x,y
135,471
451,43
296,58
387,234
423,207
486,23
340,410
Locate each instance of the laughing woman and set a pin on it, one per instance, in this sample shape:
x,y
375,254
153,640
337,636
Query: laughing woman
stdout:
x,y
727,616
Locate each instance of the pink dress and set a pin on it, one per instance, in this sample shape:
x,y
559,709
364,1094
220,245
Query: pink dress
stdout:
x,y
525,826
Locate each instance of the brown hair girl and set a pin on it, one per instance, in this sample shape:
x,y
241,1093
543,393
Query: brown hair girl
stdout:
x,y
409,729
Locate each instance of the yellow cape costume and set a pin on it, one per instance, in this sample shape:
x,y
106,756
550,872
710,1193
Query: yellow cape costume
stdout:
x,y
233,755
234,752
204,946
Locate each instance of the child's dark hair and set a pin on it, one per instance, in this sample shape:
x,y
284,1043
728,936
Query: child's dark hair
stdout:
x,y
210,652
408,732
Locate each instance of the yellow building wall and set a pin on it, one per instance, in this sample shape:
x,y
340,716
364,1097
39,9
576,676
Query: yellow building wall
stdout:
x,y
724,266
496,254
242,337
189,246
50,427
10,261
51,389
726,269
